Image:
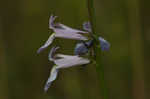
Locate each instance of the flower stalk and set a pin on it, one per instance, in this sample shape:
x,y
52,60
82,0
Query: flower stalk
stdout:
x,y
97,50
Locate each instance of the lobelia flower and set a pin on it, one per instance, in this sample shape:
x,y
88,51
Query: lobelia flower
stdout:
x,y
83,47
87,26
62,61
62,31
105,45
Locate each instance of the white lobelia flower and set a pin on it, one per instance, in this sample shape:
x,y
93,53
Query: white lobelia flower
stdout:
x,y
62,31
62,61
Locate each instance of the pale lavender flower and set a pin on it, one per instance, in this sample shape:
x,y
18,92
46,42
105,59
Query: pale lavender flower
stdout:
x,y
62,31
62,61
55,26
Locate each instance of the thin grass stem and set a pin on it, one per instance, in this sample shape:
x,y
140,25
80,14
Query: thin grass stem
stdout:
x,y
97,50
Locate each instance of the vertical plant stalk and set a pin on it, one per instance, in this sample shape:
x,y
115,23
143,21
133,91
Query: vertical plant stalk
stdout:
x,y
91,12
97,50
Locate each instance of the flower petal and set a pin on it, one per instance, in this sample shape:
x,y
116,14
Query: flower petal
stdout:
x,y
64,31
51,53
71,30
51,21
53,25
69,35
63,56
69,61
52,77
104,44
48,42
87,26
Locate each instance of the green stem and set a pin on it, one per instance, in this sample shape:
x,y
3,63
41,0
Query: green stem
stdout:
x,y
97,50
91,13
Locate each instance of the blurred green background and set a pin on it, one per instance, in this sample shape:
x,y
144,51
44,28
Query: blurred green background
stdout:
x,y
24,28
